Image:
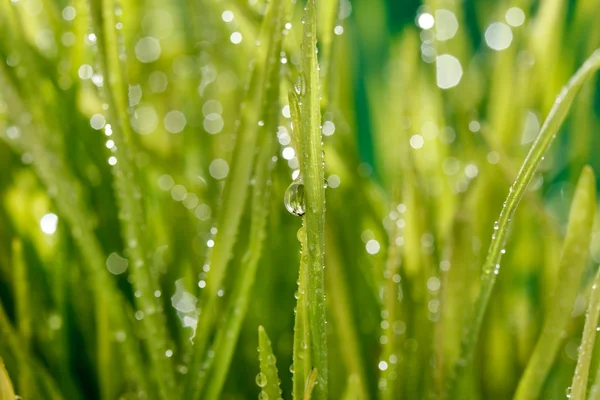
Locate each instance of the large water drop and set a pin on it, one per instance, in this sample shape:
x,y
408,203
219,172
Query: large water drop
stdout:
x,y
294,198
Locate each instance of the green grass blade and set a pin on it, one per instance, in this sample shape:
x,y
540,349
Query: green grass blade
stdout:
x,y
312,170
343,314
268,379
517,190
391,306
580,379
302,359
572,265
11,343
229,330
352,391
595,388
130,202
66,193
327,16
236,186
6,387
310,384
23,311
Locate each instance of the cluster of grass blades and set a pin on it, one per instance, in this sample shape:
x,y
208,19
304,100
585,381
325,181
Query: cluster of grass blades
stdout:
x,y
176,175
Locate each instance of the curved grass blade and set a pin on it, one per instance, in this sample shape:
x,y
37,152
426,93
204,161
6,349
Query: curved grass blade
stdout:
x,y
572,265
312,170
268,379
580,379
501,228
6,387
236,189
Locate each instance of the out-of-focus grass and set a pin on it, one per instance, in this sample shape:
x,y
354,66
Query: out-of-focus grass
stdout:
x,y
146,150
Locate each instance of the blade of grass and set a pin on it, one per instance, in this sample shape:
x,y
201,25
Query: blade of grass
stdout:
x,y
269,378
391,306
352,391
327,15
229,330
312,170
11,342
580,378
342,313
6,388
301,363
129,196
310,384
302,358
501,228
66,192
23,312
235,192
595,388
572,265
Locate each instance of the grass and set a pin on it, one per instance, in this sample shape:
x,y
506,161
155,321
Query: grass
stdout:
x,y
147,148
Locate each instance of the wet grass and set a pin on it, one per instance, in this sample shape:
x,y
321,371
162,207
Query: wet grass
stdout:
x,y
348,177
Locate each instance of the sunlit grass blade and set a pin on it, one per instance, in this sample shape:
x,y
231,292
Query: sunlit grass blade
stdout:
x,y
312,171
572,265
236,186
491,265
268,380
6,387
66,192
580,378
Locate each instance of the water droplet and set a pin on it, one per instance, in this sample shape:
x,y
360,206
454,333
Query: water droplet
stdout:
x,y
300,85
261,380
294,198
